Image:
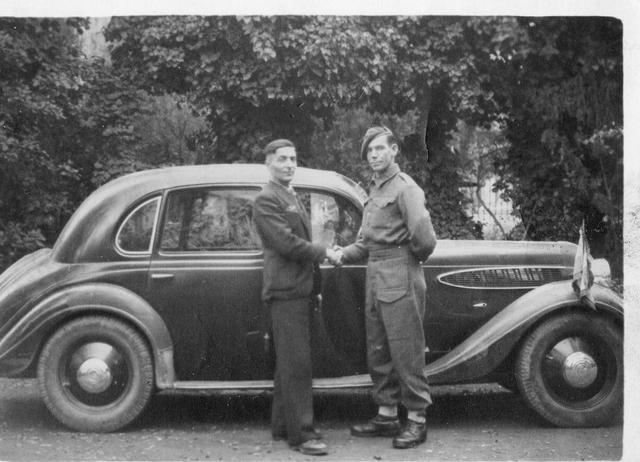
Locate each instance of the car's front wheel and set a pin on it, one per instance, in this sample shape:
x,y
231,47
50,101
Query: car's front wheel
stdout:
x,y
95,374
570,369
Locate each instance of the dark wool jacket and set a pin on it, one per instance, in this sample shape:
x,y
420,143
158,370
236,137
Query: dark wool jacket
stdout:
x,y
290,259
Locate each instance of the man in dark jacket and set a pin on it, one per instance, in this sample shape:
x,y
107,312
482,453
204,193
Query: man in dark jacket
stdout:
x,y
396,235
291,281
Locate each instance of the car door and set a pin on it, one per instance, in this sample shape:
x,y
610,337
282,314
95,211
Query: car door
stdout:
x,y
205,280
339,345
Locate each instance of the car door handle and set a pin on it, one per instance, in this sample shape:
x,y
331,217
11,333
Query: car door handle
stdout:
x,y
161,276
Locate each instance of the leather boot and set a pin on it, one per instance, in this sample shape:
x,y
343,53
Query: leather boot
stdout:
x,y
378,426
413,434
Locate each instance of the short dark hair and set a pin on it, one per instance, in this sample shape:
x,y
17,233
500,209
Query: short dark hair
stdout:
x,y
373,133
273,146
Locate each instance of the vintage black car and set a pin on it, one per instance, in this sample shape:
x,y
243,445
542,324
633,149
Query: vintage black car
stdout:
x,y
154,285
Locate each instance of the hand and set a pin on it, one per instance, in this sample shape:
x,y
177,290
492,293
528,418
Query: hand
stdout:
x,y
339,252
335,256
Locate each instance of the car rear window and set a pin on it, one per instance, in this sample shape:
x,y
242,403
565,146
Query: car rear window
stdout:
x,y
134,235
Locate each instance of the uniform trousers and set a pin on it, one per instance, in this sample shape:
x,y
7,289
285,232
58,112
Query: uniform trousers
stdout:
x,y
395,307
292,408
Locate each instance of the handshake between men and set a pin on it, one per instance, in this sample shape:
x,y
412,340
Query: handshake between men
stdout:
x,y
335,255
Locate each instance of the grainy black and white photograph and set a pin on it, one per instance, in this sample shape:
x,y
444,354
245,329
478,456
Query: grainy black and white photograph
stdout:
x,y
272,232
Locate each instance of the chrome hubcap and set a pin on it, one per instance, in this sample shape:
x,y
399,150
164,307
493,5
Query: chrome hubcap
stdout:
x,y
579,370
94,375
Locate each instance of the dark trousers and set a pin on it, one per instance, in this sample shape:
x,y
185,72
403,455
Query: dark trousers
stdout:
x,y
395,305
292,408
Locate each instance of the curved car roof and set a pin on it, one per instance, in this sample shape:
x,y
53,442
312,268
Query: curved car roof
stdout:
x,y
89,230
172,177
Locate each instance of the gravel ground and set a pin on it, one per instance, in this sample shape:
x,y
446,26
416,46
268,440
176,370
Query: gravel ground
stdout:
x,y
469,422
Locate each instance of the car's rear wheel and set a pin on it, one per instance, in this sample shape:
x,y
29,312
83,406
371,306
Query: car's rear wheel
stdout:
x,y
570,370
95,374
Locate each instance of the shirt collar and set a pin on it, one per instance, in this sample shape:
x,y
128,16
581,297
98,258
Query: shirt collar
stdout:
x,y
392,171
290,189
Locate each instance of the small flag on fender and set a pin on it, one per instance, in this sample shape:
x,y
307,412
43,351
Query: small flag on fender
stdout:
x,y
582,275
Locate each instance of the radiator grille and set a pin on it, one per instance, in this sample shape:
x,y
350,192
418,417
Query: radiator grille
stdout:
x,y
503,278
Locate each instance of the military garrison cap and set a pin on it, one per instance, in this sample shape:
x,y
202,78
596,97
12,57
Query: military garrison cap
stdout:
x,y
373,133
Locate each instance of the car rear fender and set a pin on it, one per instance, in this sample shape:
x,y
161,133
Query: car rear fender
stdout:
x,y
27,336
487,347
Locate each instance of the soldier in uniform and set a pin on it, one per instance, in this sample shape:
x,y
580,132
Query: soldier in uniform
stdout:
x,y
291,280
396,235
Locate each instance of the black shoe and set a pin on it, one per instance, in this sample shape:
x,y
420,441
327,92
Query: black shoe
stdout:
x,y
378,426
413,434
312,434
312,448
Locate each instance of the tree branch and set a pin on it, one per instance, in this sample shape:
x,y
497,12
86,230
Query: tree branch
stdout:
x,y
423,122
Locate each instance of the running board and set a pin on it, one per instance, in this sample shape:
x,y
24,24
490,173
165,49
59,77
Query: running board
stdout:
x,y
334,383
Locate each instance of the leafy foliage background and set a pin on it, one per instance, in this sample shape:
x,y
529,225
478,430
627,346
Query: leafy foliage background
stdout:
x,y
543,97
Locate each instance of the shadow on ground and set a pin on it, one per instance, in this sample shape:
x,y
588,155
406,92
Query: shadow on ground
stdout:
x,y
466,408
479,405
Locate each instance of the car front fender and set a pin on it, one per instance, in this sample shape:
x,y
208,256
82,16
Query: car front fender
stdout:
x,y
487,347
21,344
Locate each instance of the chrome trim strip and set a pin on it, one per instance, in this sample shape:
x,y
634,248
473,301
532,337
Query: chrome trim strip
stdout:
x,y
333,383
161,276
204,268
479,265
484,268
210,253
157,266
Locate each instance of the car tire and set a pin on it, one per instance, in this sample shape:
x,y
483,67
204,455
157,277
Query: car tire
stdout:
x,y
570,370
95,374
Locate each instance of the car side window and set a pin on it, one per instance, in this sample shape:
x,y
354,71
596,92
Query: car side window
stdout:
x,y
334,220
206,219
134,235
